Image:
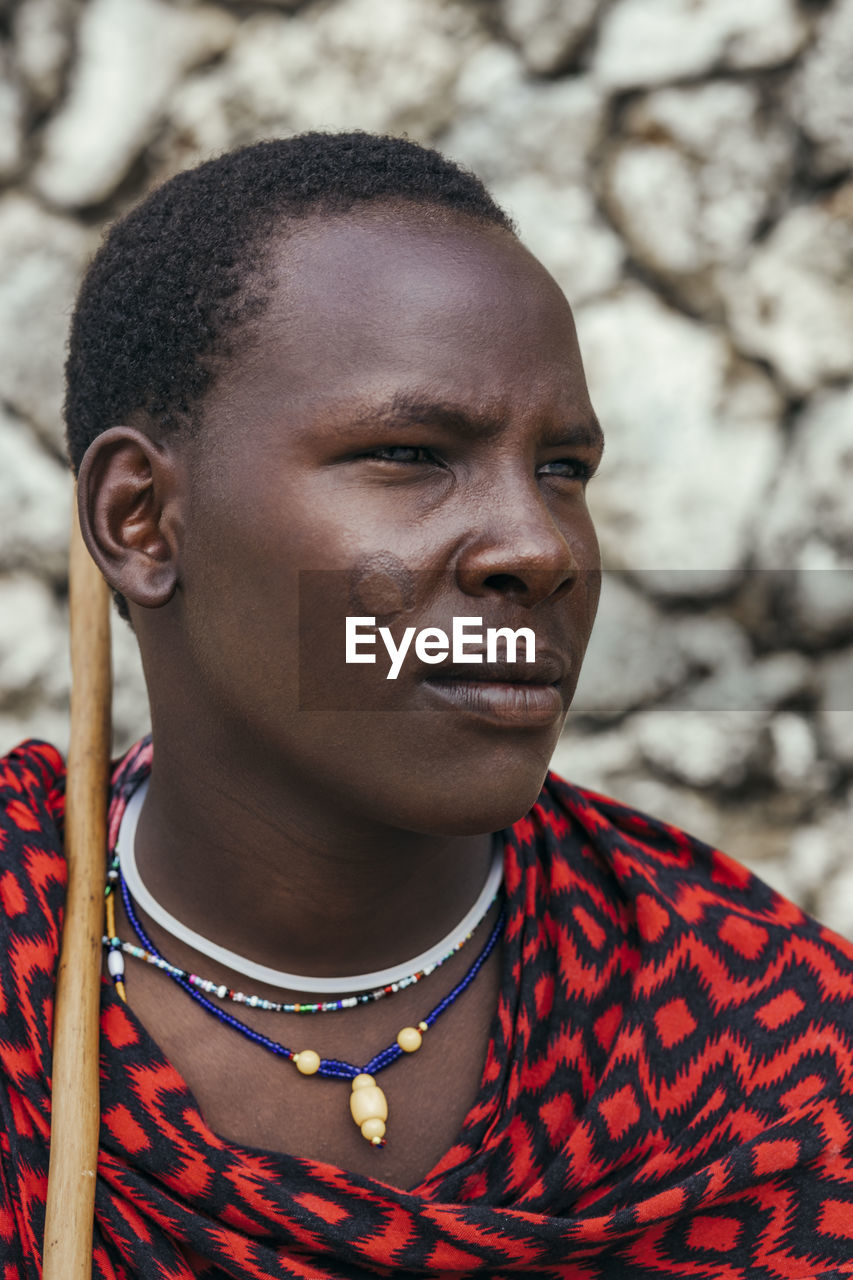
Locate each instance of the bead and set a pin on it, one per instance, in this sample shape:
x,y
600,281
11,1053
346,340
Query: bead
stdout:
x,y
368,1103
409,1039
307,1062
115,964
373,1130
256,1002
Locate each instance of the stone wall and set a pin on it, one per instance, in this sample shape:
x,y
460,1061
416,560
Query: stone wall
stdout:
x,y
684,169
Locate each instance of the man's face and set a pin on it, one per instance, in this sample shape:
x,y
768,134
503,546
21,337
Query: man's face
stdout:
x,y
409,439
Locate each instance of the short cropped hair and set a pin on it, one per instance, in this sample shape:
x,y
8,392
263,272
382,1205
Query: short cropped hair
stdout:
x,y
177,279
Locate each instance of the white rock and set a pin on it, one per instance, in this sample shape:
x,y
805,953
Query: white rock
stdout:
x,y
131,56
632,657
812,496
45,723
692,445
699,170
836,706
821,854
42,32
806,533
549,32
595,760
506,124
358,64
813,855
821,101
41,260
701,749
762,684
35,498
531,142
560,224
648,42
834,902
11,117
31,637
836,728
711,643
654,199
817,600
795,755
790,302
836,681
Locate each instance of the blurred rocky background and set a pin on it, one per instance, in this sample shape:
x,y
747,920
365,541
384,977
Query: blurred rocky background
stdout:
x,y
684,169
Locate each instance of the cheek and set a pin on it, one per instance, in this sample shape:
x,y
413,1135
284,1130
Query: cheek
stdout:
x,y
583,600
381,584
589,561
584,542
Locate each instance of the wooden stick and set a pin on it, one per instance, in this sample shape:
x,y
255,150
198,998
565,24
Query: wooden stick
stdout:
x,y
76,1102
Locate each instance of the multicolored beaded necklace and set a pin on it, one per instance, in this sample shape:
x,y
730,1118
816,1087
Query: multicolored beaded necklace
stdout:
x,y
383,982
273,1006
368,1105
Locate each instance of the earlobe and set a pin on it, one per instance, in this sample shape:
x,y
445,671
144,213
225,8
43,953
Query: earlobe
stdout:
x,y
128,495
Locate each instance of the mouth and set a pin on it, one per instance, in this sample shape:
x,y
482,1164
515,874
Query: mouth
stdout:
x,y
526,695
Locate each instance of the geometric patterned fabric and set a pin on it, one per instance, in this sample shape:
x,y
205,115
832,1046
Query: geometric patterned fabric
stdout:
x,y
668,1089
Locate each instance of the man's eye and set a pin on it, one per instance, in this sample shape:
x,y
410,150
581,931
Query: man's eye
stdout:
x,y
568,469
402,453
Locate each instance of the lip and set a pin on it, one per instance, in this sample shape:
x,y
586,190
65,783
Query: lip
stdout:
x,y
527,696
518,704
548,668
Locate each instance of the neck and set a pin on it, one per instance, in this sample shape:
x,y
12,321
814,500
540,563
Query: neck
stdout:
x,y
275,869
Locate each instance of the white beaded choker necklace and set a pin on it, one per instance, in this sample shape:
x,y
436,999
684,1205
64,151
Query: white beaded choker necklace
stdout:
x,y
125,848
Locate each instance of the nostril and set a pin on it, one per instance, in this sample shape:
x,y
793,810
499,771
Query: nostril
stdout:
x,y
504,582
564,588
535,585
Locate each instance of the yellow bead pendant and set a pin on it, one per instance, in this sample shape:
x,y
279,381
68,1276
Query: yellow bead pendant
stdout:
x,y
369,1109
307,1062
410,1039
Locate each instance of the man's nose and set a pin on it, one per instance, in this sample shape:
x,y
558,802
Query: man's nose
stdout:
x,y
518,551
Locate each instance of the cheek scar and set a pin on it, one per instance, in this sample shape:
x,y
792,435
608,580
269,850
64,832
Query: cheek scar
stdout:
x,y
381,585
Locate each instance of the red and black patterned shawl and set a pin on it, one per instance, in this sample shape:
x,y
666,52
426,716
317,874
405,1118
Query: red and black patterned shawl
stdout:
x,y
668,1089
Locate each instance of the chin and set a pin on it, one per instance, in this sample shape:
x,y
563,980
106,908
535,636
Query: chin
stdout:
x,y
487,797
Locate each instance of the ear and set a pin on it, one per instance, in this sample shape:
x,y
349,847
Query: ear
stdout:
x,y
128,494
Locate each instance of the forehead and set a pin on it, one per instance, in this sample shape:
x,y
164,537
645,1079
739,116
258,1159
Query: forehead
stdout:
x,y
406,302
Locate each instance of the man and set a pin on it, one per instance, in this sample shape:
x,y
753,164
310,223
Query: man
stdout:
x,y
319,384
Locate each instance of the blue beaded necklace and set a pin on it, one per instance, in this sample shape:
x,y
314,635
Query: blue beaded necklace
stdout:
x,y
368,1105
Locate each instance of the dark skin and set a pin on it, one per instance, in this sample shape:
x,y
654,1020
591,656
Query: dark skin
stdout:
x,y
408,432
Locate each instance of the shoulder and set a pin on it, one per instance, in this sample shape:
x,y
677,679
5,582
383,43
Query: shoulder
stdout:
x,y
689,911
32,779
682,975
32,897
32,808
649,857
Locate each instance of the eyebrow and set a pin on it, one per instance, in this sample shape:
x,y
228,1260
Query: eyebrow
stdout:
x,y
409,411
